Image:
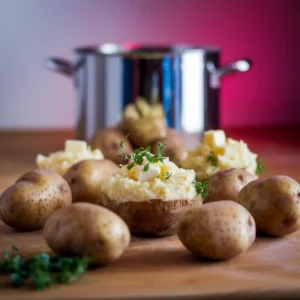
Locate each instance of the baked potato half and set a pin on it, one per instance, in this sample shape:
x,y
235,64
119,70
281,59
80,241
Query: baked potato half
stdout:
x,y
151,193
153,217
144,122
146,130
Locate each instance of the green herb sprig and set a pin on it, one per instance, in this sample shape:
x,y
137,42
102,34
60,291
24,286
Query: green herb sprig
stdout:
x,y
167,175
201,188
260,168
212,158
42,270
143,153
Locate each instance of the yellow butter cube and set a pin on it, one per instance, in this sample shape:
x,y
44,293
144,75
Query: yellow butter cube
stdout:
x,y
75,146
137,173
214,138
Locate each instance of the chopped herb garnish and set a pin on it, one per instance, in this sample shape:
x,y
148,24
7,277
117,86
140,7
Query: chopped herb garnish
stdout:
x,y
159,151
42,270
15,248
137,158
146,167
130,165
16,279
260,168
201,188
212,157
122,152
167,175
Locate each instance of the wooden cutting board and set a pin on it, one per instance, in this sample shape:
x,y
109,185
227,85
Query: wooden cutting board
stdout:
x,y
157,268
162,268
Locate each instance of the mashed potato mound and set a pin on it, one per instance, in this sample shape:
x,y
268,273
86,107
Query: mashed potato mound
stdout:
x,y
61,161
162,181
216,152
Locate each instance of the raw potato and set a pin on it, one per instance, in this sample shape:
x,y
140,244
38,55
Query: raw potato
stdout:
x,y
87,229
28,203
173,133
174,148
120,127
226,184
274,203
108,141
154,217
85,177
218,230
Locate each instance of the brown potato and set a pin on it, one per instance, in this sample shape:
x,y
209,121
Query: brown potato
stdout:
x,y
120,127
154,217
28,203
226,184
274,203
174,148
85,229
85,177
218,230
108,141
173,133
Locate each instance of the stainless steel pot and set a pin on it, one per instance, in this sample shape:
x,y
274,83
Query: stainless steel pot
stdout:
x,y
184,79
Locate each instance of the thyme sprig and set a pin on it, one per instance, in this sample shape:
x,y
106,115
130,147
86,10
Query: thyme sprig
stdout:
x,y
201,188
212,158
260,168
137,158
41,270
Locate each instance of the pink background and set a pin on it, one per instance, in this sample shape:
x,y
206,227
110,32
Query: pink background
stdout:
x,y
267,31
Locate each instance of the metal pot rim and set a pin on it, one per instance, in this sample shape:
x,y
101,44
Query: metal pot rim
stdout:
x,y
148,50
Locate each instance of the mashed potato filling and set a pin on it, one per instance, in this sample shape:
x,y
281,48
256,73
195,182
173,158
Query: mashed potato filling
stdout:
x,y
161,181
74,152
216,152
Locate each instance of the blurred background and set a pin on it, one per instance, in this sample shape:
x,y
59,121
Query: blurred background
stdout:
x,y
267,31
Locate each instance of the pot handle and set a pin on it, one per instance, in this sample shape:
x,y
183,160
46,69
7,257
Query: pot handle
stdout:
x,y
241,65
59,65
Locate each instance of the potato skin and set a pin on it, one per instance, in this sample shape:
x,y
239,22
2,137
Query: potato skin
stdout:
x,y
154,217
274,203
108,141
85,177
218,230
87,229
226,184
174,148
173,133
28,203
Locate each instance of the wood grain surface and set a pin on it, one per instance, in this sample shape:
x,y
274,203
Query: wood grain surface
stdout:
x,y
161,268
